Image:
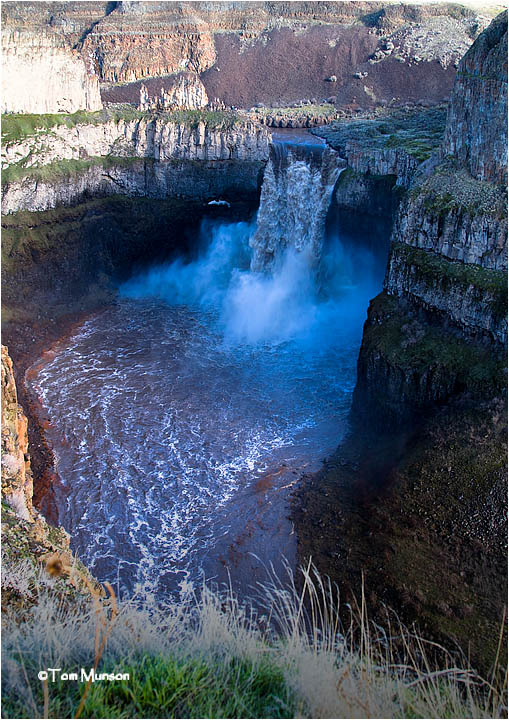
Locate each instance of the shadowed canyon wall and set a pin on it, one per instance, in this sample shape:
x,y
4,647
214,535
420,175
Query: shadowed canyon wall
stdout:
x,y
416,498
448,258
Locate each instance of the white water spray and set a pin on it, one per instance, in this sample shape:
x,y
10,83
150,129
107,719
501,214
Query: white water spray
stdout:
x,y
296,194
262,281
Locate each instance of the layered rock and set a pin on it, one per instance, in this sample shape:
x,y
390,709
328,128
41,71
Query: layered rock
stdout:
x,y
101,159
478,108
102,177
456,216
41,74
447,266
149,39
245,51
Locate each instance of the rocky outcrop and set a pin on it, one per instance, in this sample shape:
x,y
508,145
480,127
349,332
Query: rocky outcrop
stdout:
x,y
476,132
17,481
158,137
41,74
468,296
456,216
447,265
101,159
103,177
456,209
393,142
29,543
187,92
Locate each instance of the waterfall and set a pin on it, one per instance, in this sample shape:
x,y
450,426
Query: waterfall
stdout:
x,y
296,193
279,280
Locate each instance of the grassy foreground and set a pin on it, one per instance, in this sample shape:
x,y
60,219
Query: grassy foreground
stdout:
x,y
209,656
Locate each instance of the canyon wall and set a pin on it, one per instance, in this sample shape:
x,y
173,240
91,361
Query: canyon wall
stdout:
x,y
41,74
413,506
35,555
149,157
17,481
474,133
446,276
362,54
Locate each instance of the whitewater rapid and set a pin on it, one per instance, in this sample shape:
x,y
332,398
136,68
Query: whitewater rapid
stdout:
x,y
179,413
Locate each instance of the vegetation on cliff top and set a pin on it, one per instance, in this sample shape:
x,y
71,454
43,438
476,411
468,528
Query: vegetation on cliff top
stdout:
x,y
417,132
206,655
440,270
59,169
452,189
17,126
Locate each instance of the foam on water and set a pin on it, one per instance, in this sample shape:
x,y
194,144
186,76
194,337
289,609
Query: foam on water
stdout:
x,y
167,406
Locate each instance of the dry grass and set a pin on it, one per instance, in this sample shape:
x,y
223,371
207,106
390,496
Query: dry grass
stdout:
x,y
288,645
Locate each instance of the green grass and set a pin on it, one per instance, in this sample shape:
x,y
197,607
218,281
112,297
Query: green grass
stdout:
x,y
416,132
18,127
66,168
169,687
208,655
438,269
423,348
325,110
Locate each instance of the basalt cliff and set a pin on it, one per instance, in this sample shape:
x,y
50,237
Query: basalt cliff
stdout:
x,y
358,54
416,497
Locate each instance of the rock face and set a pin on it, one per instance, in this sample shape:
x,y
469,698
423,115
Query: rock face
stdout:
x,y
243,51
446,277
142,40
106,162
41,74
476,131
187,92
28,541
456,216
17,482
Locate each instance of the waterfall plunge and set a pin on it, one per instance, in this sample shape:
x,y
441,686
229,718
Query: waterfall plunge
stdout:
x,y
275,294
295,197
277,300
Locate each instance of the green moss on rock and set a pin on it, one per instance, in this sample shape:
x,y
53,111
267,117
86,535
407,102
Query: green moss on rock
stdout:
x,y
439,268
452,189
411,345
17,126
66,168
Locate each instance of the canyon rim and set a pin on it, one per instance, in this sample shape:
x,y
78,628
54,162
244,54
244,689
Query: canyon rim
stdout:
x,y
254,318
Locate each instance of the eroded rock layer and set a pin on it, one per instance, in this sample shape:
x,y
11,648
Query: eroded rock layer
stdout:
x,y
42,74
150,156
475,132
361,54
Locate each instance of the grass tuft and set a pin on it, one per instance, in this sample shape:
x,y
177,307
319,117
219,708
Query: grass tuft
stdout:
x,y
208,655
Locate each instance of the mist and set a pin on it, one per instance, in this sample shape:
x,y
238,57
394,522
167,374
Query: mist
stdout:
x,y
296,300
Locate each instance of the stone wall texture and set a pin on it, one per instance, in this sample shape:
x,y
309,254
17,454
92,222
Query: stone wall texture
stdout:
x,y
476,131
40,74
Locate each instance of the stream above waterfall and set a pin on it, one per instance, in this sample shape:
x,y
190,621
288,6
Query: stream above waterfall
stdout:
x,y
182,415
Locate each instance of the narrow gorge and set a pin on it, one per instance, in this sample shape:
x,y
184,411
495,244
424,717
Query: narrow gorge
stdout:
x,y
266,329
